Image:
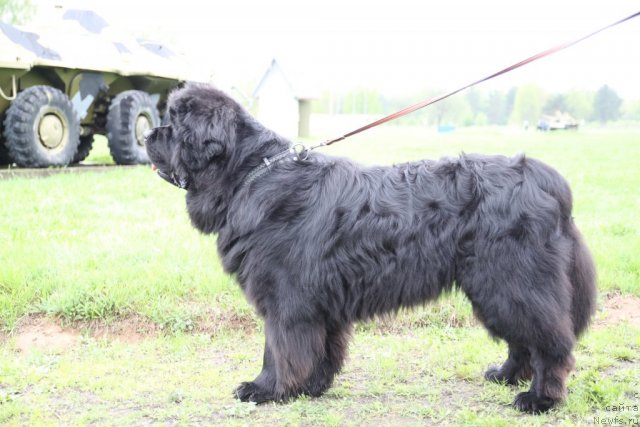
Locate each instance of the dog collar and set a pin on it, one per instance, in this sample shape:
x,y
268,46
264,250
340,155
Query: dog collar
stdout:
x,y
298,152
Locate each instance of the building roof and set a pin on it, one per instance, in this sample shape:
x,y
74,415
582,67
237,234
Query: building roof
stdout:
x,y
275,70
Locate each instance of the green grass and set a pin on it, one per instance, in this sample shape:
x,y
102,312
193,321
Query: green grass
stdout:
x,y
415,377
100,245
100,154
103,247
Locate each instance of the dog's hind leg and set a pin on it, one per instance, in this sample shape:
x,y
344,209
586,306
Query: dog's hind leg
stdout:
x,y
545,340
335,352
551,366
545,356
525,299
516,368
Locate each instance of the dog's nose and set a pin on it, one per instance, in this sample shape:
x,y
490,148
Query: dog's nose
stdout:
x,y
147,133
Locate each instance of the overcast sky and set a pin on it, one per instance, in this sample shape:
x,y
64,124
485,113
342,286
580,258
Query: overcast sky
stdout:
x,y
395,46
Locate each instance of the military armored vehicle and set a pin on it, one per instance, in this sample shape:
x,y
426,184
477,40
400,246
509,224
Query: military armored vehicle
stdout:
x,y
72,78
558,121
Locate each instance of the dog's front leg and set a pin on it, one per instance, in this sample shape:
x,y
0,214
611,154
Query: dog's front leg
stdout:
x,y
262,388
294,349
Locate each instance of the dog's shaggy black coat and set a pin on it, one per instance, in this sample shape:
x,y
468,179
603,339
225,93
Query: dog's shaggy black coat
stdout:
x,y
317,245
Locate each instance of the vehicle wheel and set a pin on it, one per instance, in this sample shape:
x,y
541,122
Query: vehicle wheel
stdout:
x,y
4,155
84,148
131,113
41,128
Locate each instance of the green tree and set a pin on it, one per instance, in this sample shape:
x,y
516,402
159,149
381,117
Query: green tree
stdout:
x,y
557,102
452,110
631,110
510,102
500,106
606,105
580,104
16,11
362,101
496,106
528,104
478,103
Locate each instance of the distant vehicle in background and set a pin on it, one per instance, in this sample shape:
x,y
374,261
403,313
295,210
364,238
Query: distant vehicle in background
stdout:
x,y
74,77
559,121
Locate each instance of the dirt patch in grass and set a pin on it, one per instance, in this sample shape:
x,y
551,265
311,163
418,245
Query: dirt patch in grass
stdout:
x,y
214,321
131,329
52,335
40,333
619,309
37,332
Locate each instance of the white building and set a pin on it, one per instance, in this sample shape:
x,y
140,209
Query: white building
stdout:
x,y
278,106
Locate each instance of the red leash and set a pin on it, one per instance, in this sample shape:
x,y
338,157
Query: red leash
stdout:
x,y
430,101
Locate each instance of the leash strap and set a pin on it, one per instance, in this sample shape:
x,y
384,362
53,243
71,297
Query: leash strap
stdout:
x,y
435,99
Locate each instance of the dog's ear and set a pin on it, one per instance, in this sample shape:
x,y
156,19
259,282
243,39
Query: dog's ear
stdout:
x,y
197,154
203,138
205,122
221,124
212,148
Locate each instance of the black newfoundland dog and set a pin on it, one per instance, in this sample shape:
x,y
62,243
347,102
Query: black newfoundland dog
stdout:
x,y
318,243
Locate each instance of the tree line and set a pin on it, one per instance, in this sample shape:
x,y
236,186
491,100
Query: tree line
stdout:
x,y
527,103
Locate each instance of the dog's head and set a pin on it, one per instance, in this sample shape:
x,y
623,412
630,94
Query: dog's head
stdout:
x,y
200,133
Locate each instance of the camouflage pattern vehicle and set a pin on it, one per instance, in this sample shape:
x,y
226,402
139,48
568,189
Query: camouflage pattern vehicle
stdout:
x,y
559,121
73,78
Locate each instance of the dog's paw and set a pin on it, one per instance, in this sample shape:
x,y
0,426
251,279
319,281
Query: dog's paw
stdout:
x,y
495,374
252,392
528,402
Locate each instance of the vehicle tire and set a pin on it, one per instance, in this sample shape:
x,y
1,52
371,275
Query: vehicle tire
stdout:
x,y
4,155
131,113
84,148
5,159
41,128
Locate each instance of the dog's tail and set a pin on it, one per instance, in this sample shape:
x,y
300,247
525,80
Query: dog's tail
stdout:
x,y
581,269
582,274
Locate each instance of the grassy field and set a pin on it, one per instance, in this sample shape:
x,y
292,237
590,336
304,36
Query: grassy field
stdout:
x,y
158,334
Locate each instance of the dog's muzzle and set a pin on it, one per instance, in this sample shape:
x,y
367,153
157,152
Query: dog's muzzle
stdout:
x,y
173,179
